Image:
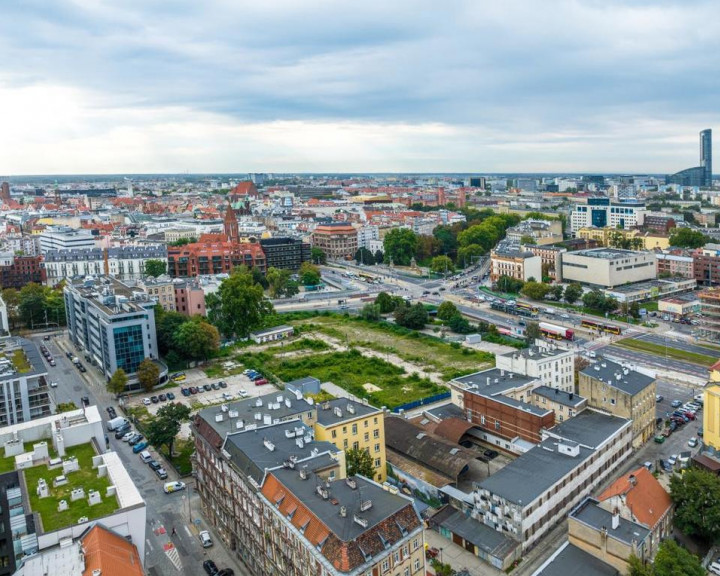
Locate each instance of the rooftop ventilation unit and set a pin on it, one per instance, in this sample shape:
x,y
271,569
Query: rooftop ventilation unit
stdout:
x,y
338,412
269,445
351,409
366,505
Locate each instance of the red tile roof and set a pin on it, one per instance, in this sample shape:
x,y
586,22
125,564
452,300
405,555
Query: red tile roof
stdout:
x,y
110,554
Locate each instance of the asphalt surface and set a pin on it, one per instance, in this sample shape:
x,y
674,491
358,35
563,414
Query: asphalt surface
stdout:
x,y
636,357
164,511
678,343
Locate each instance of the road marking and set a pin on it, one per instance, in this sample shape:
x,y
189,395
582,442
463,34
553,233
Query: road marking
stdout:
x,y
188,531
150,545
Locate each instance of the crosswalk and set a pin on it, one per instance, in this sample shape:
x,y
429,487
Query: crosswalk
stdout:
x,y
173,555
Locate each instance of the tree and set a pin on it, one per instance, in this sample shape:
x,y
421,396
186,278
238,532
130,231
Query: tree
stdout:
x,y
400,245
637,568
65,407
672,559
467,255
532,331
364,256
309,274
527,240
687,238
166,325
385,302
155,268
379,257
359,462
148,374
414,317
165,426
484,235
460,325
535,290
427,247
447,237
370,312
239,305
280,283
447,310
196,339
557,292
117,382
183,242
32,304
317,256
508,284
573,293
696,495
442,265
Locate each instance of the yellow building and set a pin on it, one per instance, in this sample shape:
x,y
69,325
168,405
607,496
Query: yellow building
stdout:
x,y
711,408
349,424
612,237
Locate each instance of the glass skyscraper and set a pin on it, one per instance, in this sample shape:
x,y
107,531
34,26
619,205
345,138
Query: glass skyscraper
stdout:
x,y
699,175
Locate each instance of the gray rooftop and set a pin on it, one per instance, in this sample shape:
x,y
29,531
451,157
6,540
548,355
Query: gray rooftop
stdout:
x,y
512,253
494,381
96,254
538,353
559,396
342,410
384,504
607,253
570,560
624,379
590,513
530,475
255,451
32,354
490,541
444,411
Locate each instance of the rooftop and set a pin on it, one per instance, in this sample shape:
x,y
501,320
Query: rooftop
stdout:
x,y
589,428
111,296
590,512
643,494
614,374
19,356
560,396
493,381
339,410
539,352
570,560
608,253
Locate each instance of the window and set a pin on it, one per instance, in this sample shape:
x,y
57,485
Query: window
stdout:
x,y
406,572
612,401
344,429
356,445
396,556
354,428
416,544
386,565
334,433
366,423
377,462
497,424
366,437
345,444
416,565
377,447
375,420
376,433
482,419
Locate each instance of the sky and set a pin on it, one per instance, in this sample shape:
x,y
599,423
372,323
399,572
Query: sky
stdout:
x,y
161,86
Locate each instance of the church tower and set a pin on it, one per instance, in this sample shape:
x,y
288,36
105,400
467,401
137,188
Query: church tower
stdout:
x,y
232,231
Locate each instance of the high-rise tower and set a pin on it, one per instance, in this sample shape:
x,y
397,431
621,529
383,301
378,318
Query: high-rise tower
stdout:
x,y
706,155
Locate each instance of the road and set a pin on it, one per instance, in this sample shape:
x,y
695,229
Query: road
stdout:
x,y
636,357
164,511
678,343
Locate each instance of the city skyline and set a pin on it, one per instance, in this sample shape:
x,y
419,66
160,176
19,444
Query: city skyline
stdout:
x,y
618,87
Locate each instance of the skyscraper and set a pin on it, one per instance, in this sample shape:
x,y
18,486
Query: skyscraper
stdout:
x,y
699,175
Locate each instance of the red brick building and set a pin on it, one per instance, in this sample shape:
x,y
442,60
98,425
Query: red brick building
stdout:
x,y
16,271
202,259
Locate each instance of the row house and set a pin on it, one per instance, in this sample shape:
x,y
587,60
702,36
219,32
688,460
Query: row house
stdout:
x,y
203,259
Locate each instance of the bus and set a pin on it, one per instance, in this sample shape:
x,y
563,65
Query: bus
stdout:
x,y
366,277
601,326
532,310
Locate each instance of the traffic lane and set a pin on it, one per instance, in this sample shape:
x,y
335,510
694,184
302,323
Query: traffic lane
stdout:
x,y
647,359
677,343
68,387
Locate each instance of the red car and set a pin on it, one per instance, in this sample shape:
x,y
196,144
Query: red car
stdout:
x,y
261,381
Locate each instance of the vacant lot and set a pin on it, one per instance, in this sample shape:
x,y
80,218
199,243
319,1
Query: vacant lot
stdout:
x,y
668,351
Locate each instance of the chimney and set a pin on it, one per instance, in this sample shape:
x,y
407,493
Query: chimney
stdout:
x,y
615,519
632,480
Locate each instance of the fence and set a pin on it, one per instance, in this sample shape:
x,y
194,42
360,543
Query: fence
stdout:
x,y
422,402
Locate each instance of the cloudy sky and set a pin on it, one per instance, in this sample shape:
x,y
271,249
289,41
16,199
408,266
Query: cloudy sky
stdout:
x,y
101,86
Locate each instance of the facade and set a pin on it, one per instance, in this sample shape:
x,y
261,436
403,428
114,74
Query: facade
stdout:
x,y
189,298
550,257
700,176
678,307
112,323
675,265
625,237
203,259
161,289
24,383
710,313
541,231
285,253
65,238
617,390
352,425
711,409
339,241
17,271
608,267
526,498
552,365
499,402
272,334
564,404
518,264
642,291
602,212
706,265
126,263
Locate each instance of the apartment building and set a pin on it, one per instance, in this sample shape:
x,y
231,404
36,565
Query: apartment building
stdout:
x,y
208,258
542,232
608,267
339,241
17,271
351,425
564,404
675,265
711,410
161,289
551,364
24,382
550,258
285,253
526,498
189,298
518,264
710,313
112,323
617,390
706,265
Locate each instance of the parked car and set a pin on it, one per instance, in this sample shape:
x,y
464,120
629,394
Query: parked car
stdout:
x,y
260,382
135,440
170,396
210,568
185,391
658,398
491,454
676,403
193,390
53,384
207,387
205,539
111,412
672,460
659,438
222,384
140,446
693,442
154,399
214,386
126,437
162,397
178,377
120,432
146,401
242,393
46,338
69,355
154,465
226,572
162,473
171,487
52,362
82,368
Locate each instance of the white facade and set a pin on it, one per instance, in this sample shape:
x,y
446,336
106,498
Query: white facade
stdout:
x,y
366,235
63,238
4,326
608,267
554,367
616,214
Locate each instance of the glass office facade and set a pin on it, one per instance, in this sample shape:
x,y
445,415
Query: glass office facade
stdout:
x,y
129,348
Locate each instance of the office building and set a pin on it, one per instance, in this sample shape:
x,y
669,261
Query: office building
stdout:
x,y
285,253
125,263
617,390
65,238
517,264
17,271
339,241
608,267
700,176
710,314
551,364
24,382
603,212
113,324
526,498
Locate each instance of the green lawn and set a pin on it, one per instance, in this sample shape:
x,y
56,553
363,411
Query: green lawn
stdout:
x,y
183,449
7,464
86,478
660,350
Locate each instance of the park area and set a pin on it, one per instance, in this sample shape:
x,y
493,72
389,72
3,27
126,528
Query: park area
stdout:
x,y
387,364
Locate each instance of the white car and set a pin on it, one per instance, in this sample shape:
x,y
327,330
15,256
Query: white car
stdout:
x,y
672,460
128,436
242,393
565,316
53,384
146,401
170,487
693,442
205,539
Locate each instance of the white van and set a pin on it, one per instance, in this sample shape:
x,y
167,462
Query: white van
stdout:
x,y
116,423
714,568
171,487
145,456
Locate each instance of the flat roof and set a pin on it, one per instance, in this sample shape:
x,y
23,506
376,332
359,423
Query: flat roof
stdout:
x,y
489,540
614,374
570,560
649,284
340,410
493,381
538,352
608,253
283,328
589,428
31,353
444,411
590,512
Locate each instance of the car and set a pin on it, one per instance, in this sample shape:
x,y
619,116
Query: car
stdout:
x,y
210,568
52,362
658,398
110,410
82,368
46,338
692,406
205,539
688,414
226,396
673,426
178,376
700,432
69,354
693,442
565,316
214,386
154,465
207,387
648,465
53,384
426,292
127,436
140,446
85,400
226,572
672,460
146,401
666,467
170,396
162,397
261,382
135,439
491,454
256,376
436,293
659,438
193,390
699,398
185,391
161,473
154,399
170,487
222,384
242,393
120,432
676,403
246,371
684,458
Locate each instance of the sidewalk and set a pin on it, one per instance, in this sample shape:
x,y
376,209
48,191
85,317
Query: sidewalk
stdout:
x,y
458,557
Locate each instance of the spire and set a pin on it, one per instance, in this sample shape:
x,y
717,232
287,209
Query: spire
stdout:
x,y
231,225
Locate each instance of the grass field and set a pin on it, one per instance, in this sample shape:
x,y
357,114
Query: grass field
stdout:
x,y
660,350
86,478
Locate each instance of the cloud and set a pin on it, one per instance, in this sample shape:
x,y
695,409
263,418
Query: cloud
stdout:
x,y
373,86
